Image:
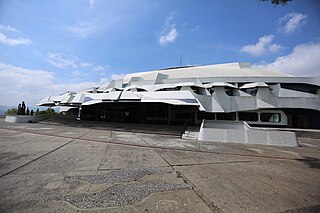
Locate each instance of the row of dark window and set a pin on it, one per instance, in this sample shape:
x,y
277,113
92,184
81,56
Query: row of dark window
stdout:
x,y
242,116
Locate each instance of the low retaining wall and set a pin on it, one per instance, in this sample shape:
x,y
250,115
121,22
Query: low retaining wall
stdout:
x,y
241,132
20,118
26,118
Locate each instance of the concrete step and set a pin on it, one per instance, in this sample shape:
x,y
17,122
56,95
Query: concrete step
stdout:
x,y
191,133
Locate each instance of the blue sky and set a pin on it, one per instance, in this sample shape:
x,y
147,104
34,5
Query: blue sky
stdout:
x,y
48,47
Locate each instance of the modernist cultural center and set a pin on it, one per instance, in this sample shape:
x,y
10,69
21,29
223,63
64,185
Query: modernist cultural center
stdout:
x,y
232,91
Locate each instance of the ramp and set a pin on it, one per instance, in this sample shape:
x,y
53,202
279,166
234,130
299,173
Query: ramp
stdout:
x,y
241,132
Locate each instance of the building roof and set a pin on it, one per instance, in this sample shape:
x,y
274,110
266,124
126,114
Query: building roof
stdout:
x,y
238,69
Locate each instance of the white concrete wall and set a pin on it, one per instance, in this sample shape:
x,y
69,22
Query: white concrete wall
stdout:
x,y
20,118
214,131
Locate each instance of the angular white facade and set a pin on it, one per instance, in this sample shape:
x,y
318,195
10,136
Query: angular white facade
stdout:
x,y
233,91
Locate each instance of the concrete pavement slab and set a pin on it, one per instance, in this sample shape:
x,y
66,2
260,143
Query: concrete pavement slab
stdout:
x,y
119,157
263,186
225,177
76,156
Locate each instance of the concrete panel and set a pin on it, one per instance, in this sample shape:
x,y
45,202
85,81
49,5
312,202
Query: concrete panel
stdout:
x,y
176,158
70,158
282,138
118,157
20,119
236,136
256,186
232,133
257,137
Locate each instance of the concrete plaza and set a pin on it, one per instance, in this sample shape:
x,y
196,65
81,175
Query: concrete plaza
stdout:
x,y
77,166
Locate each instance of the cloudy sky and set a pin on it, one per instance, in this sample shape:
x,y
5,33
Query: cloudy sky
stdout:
x,y
48,47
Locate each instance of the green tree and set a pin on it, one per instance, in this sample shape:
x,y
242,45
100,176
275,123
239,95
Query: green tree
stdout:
x,y
23,108
19,111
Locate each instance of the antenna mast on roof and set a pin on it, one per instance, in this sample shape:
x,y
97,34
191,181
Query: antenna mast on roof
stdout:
x,y
180,59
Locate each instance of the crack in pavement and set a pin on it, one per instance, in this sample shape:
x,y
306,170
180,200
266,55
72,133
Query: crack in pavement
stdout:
x,y
41,156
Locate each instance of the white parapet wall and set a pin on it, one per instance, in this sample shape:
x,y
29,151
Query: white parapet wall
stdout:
x,y
241,132
20,118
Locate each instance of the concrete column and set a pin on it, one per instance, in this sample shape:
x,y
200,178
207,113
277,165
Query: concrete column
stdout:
x,y
195,117
79,114
169,114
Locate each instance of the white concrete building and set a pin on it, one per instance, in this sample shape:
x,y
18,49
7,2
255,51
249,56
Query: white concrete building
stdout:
x,y
233,91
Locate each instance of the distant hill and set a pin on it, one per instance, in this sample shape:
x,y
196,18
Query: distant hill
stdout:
x,y
3,109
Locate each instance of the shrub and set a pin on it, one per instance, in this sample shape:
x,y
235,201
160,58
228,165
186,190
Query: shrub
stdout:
x,y
12,111
48,111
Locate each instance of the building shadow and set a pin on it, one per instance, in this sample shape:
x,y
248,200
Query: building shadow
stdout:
x,y
311,162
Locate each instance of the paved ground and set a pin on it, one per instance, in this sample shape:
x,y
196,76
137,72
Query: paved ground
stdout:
x,y
59,168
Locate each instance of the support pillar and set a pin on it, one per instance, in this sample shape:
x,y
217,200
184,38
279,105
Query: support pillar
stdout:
x,y
79,114
169,114
195,117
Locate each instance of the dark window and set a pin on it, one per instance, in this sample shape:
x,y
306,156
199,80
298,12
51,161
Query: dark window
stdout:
x,y
251,91
141,90
229,91
198,90
248,116
211,90
270,117
301,87
182,115
226,116
313,91
170,89
206,115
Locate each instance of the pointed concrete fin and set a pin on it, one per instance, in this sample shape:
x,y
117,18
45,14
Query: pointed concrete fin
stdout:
x,y
263,104
160,77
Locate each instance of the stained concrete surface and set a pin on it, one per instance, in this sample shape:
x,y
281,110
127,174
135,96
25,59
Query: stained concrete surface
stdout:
x,y
37,159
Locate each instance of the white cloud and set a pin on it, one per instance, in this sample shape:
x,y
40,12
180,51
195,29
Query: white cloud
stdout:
x,y
62,61
80,70
117,76
170,18
169,37
264,45
30,85
14,41
302,61
169,32
8,28
104,80
292,22
85,65
78,74
91,4
84,28
99,68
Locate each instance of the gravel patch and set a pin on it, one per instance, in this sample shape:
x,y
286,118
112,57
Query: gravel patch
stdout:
x,y
117,195
116,176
